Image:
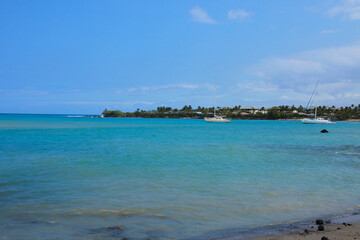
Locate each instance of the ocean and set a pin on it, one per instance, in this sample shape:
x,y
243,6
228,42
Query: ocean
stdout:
x,y
76,177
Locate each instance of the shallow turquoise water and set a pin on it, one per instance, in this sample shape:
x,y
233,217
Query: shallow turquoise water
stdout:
x,y
70,178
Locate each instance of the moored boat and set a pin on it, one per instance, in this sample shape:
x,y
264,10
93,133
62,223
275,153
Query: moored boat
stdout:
x,y
217,119
316,121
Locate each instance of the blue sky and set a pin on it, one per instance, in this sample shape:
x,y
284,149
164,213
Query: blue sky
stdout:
x,y
84,56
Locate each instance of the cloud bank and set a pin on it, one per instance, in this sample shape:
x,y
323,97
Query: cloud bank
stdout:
x,y
338,70
349,9
163,87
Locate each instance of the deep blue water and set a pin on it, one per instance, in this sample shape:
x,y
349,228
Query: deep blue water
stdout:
x,y
72,177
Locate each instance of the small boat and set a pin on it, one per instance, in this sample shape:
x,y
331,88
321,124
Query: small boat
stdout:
x,y
315,120
217,119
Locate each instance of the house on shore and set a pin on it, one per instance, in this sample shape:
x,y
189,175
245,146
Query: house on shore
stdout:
x,y
248,109
253,110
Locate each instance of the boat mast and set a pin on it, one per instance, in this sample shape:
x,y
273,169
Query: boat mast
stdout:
x,y
312,95
315,105
214,101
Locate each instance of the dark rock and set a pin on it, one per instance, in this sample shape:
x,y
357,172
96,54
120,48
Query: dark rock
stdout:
x,y
344,224
324,131
115,228
321,227
324,238
312,226
338,228
319,222
349,224
306,231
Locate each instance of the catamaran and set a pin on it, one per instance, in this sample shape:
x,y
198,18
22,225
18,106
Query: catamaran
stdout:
x,y
315,120
217,119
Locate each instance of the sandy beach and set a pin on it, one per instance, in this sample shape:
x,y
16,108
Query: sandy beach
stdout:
x,y
331,231
342,227
339,231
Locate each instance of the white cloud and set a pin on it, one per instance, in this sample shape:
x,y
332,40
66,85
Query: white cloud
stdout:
x,y
107,103
332,63
187,86
238,14
329,31
348,9
23,92
200,15
259,87
294,77
163,87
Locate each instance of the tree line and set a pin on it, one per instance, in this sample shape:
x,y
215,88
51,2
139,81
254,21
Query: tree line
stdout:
x,y
238,112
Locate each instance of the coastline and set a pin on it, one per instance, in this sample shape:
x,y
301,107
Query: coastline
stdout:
x,y
340,227
347,231
190,118
352,120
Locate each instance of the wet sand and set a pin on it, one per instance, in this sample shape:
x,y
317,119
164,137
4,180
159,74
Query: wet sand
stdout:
x,y
340,227
332,231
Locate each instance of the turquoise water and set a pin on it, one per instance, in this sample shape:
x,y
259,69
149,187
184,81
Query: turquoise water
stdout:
x,y
73,177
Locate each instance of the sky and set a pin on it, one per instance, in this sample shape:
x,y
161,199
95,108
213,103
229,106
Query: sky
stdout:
x,y
81,57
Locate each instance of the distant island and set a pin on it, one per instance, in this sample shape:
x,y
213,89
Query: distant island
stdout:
x,y
248,112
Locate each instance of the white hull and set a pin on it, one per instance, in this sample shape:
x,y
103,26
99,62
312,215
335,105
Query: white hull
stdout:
x,y
316,121
218,120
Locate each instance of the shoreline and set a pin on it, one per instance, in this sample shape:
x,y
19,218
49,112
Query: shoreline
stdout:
x,y
290,119
340,227
341,231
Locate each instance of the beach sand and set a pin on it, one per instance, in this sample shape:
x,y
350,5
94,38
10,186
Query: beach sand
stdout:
x,y
331,232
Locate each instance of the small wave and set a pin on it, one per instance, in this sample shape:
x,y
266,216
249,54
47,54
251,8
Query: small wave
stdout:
x,y
74,116
120,213
39,222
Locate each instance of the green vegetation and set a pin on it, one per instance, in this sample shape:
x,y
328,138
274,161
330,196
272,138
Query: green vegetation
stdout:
x,y
238,112
116,113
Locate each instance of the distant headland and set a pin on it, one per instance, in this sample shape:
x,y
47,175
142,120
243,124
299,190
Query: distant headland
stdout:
x,y
238,112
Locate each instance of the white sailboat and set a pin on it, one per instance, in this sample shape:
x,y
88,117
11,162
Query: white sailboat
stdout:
x,y
217,119
315,120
